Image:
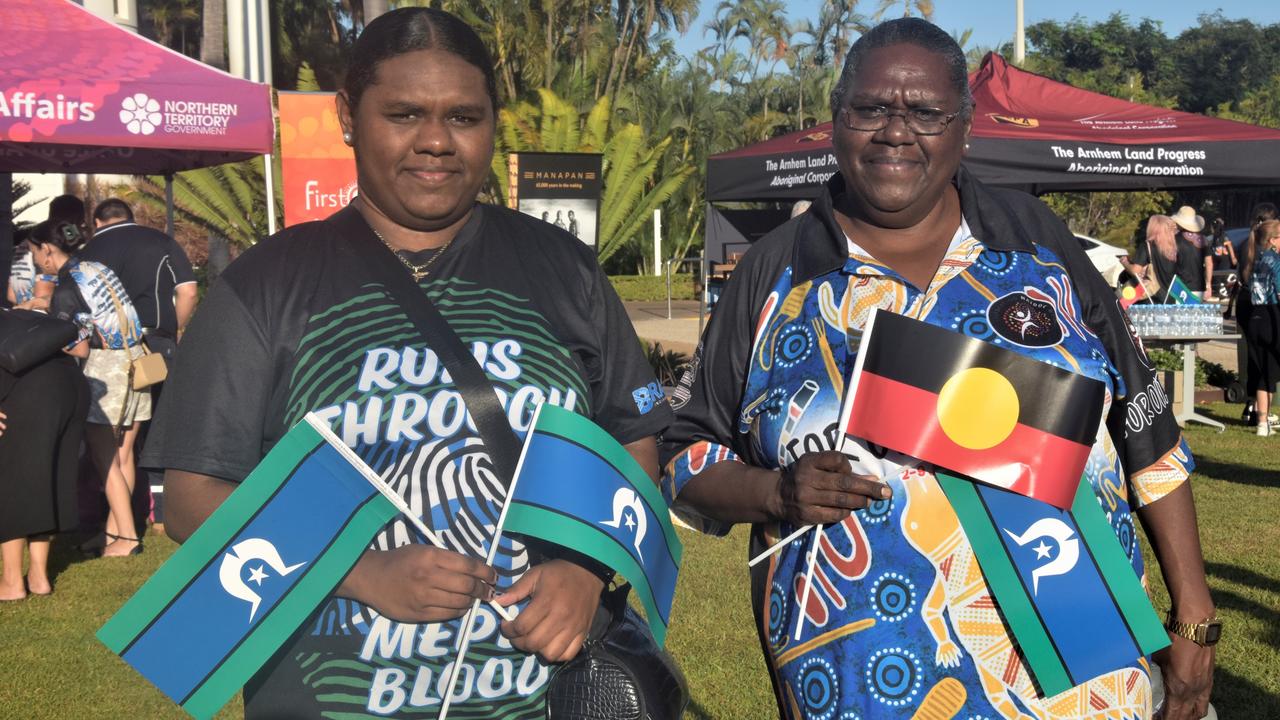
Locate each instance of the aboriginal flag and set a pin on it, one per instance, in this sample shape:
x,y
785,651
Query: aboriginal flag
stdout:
x,y
972,407
1131,293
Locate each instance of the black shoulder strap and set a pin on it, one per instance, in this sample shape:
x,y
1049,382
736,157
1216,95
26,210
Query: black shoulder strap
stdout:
x,y
469,379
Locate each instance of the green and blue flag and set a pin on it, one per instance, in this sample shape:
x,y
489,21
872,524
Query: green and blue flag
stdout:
x,y
1180,294
1065,586
578,488
251,574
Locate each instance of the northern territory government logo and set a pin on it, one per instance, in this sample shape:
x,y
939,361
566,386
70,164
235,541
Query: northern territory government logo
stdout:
x,y
144,115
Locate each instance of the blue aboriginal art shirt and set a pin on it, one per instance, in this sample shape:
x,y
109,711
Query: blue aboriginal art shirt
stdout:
x,y
92,296
900,623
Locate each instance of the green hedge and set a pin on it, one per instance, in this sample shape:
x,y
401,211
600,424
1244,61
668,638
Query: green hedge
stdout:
x,y
632,288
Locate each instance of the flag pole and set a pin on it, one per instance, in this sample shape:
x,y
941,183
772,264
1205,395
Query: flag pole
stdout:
x,y
350,456
845,410
464,637
777,546
808,578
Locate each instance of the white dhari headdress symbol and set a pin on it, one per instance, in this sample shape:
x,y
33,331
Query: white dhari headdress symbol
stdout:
x,y
1068,548
628,510
233,564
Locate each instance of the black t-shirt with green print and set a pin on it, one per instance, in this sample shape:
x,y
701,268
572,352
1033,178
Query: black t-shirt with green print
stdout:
x,y
298,325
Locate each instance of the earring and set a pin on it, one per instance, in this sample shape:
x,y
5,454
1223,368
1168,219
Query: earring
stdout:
x,y
966,146
346,138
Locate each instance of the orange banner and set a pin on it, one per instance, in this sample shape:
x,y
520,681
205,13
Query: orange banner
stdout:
x,y
317,168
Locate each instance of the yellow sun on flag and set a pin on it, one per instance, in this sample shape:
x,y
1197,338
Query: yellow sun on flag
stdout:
x,y
978,408
1129,292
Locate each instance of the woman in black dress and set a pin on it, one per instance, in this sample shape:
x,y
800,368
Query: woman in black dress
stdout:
x,y
42,412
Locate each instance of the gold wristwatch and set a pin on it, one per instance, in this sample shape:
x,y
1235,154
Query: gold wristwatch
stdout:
x,y
1205,633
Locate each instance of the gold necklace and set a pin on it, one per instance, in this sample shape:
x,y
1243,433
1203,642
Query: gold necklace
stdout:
x,y
418,271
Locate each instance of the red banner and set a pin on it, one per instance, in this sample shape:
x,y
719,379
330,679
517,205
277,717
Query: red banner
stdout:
x,y
318,169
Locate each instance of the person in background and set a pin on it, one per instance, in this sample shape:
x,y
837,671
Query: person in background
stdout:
x,y
1168,256
1190,225
22,272
1219,258
154,268
1261,273
42,413
1262,212
90,295
904,227
161,284
69,208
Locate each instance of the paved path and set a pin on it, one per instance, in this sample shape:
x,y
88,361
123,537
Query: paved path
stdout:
x,y
679,333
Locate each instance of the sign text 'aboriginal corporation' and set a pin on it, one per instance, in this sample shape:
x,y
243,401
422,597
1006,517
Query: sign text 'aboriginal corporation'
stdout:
x,y
1131,159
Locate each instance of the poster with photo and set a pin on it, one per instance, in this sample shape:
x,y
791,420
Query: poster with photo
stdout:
x,y
562,189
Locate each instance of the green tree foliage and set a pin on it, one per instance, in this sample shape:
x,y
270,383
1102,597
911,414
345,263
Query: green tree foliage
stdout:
x,y
225,200
1221,66
632,187
1112,217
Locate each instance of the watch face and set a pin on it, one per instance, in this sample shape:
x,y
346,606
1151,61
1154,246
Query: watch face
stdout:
x,y
1212,632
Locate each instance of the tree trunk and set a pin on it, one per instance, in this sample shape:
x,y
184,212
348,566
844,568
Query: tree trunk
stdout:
x,y
374,8
617,51
219,257
213,39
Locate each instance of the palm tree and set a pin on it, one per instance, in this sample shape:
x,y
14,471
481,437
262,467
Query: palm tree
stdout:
x,y
226,200
213,38
922,7
632,186
169,18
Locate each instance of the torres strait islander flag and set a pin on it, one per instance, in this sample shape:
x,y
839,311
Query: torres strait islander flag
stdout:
x,y
972,407
1062,581
1180,294
577,487
251,574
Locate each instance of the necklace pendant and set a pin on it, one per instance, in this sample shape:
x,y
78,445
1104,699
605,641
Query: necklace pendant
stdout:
x,y
418,275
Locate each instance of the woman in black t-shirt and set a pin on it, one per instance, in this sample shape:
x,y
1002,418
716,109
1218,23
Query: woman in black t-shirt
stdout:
x,y
298,324
1219,257
1167,255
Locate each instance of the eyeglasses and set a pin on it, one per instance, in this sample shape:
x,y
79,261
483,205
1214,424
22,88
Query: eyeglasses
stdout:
x,y
921,121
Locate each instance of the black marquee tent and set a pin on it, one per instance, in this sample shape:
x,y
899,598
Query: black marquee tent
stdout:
x,y
1029,132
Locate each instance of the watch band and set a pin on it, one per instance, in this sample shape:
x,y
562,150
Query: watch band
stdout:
x,y
1204,633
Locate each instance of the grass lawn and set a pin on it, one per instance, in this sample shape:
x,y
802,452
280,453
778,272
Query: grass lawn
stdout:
x,y
52,667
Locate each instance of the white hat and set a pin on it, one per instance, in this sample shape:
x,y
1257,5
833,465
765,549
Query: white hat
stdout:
x,y
1188,220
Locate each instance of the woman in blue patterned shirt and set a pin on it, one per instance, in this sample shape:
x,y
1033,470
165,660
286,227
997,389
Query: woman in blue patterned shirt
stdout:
x,y
1261,273
91,295
898,621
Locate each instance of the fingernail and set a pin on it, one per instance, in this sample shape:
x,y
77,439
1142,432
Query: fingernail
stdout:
x,y
885,493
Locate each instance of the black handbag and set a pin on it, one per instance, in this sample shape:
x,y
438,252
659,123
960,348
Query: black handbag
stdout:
x,y
621,673
28,337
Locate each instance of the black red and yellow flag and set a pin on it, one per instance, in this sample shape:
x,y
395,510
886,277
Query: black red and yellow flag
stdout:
x,y
972,407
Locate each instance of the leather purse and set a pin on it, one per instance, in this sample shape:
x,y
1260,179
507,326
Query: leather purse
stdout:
x,y
621,673
145,371
28,337
148,370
